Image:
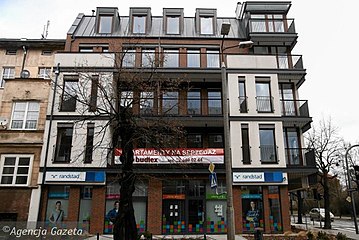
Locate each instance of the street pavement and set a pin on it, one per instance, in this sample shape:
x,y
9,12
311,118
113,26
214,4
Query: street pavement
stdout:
x,y
208,237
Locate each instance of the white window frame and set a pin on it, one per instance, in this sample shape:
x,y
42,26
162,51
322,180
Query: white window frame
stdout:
x,y
17,156
23,127
10,74
44,72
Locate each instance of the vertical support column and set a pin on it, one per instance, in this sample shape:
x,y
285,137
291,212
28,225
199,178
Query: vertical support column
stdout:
x,y
74,204
266,210
154,208
237,205
98,210
300,206
43,200
182,58
285,208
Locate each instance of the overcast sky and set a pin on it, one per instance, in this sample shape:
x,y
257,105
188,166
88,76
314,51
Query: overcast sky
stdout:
x,y
327,30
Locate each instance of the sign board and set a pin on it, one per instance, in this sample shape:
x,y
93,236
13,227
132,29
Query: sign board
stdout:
x,y
260,177
174,155
213,180
211,167
248,177
95,177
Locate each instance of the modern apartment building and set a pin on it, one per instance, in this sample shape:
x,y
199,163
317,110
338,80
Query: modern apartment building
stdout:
x,y
25,80
266,119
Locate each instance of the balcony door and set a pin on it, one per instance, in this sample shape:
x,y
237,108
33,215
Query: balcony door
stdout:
x,y
292,146
286,91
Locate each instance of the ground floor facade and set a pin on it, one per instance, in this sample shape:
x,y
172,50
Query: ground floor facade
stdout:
x,y
170,204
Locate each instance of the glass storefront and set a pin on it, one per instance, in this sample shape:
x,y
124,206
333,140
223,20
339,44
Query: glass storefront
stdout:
x,y
85,208
275,219
216,207
57,194
252,208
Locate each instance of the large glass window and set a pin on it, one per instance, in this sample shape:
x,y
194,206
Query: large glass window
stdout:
x,y
148,58
194,141
287,97
170,103
216,206
25,115
263,97
171,58
173,24
242,96
215,140
139,24
85,208
64,143
193,58
126,99
69,95
207,25
194,102
268,148
15,169
212,59
58,199
129,58
214,103
275,217
252,208
105,24
291,143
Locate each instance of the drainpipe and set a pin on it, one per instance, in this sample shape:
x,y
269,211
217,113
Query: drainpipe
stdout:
x,y
23,59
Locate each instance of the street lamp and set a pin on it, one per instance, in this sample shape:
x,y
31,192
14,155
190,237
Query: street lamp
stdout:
x,y
227,151
350,188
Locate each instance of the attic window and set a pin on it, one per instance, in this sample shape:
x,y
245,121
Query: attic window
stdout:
x,y
105,24
206,25
11,52
46,52
139,24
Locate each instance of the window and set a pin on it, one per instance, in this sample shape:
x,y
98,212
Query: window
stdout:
x,y
215,141
11,52
129,58
146,103
206,25
89,142
170,103
193,58
46,52
194,102
63,143
267,23
246,149
264,99
194,141
214,103
105,24
292,147
126,99
69,94
44,72
94,91
105,49
86,49
139,25
274,206
286,91
8,73
252,208
25,115
148,58
212,59
173,24
242,96
15,169
268,148
171,58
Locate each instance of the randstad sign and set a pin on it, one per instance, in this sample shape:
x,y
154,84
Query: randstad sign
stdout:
x,y
248,177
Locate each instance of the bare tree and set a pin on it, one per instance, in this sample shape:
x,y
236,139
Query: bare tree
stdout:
x,y
128,101
327,144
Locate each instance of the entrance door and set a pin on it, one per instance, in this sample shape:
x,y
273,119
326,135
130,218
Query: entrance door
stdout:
x,y
173,216
196,216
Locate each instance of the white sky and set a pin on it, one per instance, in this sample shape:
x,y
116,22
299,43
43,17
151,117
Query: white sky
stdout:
x,y
327,30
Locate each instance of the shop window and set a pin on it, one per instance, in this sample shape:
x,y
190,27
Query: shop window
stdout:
x,y
216,207
194,102
214,102
69,94
57,194
25,115
105,24
89,143
85,208
128,57
63,143
252,208
215,141
15,170
44,72
275,219
212,58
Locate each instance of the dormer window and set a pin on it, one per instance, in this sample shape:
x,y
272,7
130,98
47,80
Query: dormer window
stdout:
x,y
206,25
140,20
105,24
139,24
173,20
173,24
206,21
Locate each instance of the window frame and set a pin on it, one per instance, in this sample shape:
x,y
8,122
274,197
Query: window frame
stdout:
x,y
65,80
270,97
174,55
272,129
193,54
15,174
129,58
213,53
59,142
25,117
89,147
178,17
46,75
102,16
202,24
140,30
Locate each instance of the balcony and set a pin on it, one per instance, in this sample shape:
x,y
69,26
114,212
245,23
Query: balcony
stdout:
x,y
268,154
299,157
296,112
264,104
278,30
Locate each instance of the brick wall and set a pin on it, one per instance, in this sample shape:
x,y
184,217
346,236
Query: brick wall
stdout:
x,y
285,208
15,200
98,209
154,209
237,209
74,204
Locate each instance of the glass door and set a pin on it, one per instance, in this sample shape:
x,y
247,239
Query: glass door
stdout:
x,y
196,216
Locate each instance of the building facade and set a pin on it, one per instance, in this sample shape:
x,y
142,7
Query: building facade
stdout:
x,y
23,104
175,191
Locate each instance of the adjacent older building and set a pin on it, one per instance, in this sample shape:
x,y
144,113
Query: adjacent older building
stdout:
x,y
266,119
25,80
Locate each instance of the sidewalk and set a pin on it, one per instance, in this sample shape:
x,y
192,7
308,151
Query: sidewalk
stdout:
x,y
312,228
208,237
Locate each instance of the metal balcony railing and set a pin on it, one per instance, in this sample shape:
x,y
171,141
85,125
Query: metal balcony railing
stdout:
x,y
243,107
264,103
271,26
300,157
295,108
246,152
268,153
286,61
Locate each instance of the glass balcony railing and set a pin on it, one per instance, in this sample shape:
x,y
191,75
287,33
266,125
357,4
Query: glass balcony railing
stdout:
x,y
271,26
295,108
300,157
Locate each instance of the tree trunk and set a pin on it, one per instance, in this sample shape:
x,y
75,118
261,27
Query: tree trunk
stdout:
x,y
327,223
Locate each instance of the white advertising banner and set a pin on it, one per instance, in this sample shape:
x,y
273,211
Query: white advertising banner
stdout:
x,y
65,177
174,155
